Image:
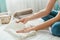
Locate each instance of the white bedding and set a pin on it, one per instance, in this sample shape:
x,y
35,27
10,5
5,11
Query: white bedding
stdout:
x,y
43,35
40,35
13,27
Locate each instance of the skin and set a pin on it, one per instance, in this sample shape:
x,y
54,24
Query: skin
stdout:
x,y
40,14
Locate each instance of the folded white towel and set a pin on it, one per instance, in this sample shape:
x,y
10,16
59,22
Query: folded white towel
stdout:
x,y
20,36
13,27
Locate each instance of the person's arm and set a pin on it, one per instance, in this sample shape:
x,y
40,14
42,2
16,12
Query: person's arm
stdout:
x,y
43,12
44,25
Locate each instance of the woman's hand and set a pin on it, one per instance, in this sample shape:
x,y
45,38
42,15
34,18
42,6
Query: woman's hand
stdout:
x,y
24,30
23,20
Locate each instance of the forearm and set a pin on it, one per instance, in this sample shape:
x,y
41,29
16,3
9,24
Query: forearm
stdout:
x,y
43,12
39,14
45,24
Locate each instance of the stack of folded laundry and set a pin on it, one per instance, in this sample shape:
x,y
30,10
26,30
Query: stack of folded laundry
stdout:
x,y
13,27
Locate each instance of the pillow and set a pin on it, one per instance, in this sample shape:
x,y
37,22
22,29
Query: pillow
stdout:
x,y
23,12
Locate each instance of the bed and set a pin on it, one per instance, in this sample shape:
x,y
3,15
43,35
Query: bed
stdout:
x,y
41,34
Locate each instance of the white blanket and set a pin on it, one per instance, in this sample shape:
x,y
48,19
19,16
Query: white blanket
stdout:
x,y
39,35
43,35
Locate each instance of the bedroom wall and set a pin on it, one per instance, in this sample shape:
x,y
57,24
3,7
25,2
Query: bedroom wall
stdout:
x,y
3,6
15,5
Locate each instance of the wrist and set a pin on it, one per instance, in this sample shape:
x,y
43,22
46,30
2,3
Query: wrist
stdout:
x,y
28,18
31,28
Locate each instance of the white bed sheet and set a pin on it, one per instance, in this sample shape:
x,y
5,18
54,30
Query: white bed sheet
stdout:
x,y
41,35
6,36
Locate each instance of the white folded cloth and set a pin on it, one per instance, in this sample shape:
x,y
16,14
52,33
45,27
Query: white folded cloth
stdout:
x,y
21,35
13,27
